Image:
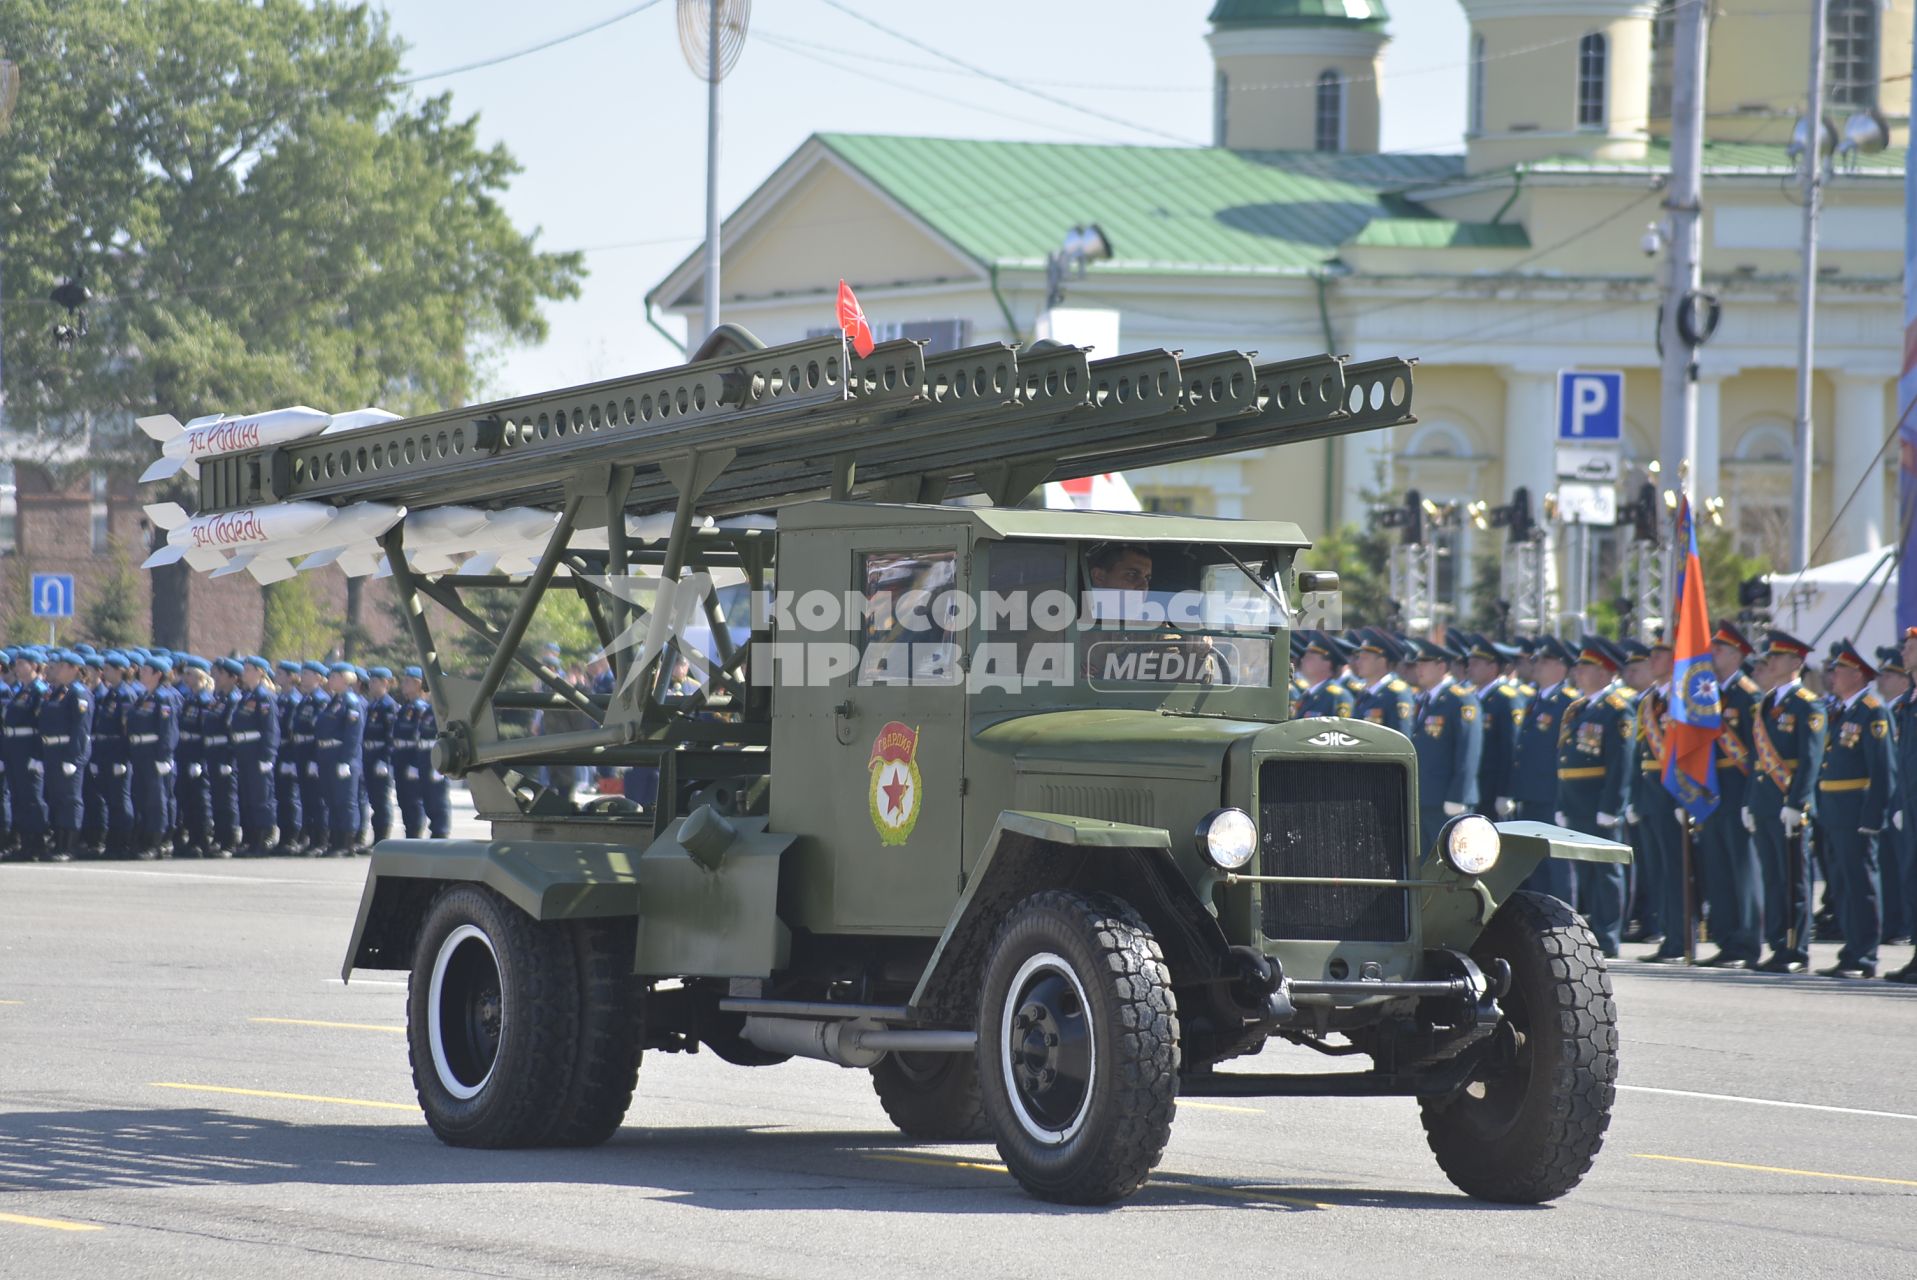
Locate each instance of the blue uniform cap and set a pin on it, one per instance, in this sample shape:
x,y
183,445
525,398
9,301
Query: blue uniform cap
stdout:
x,y
379,673
157,661
317,668
73,656
414,672
254,660
231,666
114,659
289,666
194,662
342,668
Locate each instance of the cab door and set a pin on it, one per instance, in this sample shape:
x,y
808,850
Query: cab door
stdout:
x,y
881,743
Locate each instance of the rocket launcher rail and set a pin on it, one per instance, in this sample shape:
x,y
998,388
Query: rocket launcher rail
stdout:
x,y
810,420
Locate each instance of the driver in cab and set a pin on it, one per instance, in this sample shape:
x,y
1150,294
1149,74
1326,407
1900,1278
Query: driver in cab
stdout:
x,y
1120,574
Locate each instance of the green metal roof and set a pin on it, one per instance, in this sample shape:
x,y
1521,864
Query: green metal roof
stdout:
x,y
1298,13
1163,209
1723,159
1441,233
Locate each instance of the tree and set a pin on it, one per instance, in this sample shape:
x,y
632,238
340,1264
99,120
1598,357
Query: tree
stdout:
x,y
292,625
263,214
1359,556
113,615
22,626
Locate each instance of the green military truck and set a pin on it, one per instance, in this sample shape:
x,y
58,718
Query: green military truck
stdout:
x,y
1041,872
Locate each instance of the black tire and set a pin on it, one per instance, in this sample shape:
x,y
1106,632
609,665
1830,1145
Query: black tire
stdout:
x,y
502,1046
1527,1128
933,1097
611,1032
1080,981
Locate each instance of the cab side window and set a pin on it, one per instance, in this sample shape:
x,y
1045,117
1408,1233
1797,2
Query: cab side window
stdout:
x,y
907,621
1024,585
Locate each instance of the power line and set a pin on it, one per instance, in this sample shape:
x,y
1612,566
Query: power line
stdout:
x,y
1007,81
541,47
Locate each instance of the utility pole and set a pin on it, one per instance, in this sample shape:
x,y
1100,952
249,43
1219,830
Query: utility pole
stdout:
x,y
713,76
1682,327
1813,162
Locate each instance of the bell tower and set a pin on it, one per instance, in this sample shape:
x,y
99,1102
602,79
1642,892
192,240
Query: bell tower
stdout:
x,y
1558,78
1296,75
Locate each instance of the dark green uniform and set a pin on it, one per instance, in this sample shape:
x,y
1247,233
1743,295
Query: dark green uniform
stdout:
x,y
1328,698
1786,761
1593,784
1855,793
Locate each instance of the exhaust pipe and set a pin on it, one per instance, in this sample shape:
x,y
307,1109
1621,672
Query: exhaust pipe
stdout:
x,y
849,1042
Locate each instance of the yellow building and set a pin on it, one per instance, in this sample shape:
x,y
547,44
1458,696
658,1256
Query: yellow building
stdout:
x,y
1518,256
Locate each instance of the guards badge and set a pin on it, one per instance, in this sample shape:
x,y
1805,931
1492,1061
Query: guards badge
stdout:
x,y
894,794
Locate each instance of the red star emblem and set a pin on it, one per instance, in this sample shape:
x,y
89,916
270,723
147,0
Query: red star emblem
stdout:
x,y
895,793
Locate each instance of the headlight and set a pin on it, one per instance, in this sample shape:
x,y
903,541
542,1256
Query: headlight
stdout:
x,y
1470,844
1227,838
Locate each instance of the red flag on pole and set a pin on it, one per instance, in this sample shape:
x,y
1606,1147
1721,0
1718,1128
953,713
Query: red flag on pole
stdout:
x,y
1690,768
852,321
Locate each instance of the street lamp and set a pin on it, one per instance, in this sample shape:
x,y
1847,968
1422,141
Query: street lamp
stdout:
x,y
1083,245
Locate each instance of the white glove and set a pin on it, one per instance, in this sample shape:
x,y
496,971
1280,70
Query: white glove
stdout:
x,y
1607,820
1793,818
69,768
1560,819
94,770
290,769
1870,831
412,774
1750,823
163,767
1452,808
226,771
1897,819
266,766
195,770
312,770
1506,806
37,766
119,770
345,770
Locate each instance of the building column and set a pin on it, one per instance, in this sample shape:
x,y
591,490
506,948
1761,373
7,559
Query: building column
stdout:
x,y
1530,433
1857,436
1706,473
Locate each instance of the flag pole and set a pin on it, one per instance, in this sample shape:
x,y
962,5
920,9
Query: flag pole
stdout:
x,y
1690,904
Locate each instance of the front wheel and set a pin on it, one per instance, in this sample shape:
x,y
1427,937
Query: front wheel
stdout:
x,y
1530,1122
1078,1047
492,1023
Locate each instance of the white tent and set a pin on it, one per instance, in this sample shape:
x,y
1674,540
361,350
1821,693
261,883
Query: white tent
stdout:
x,y
1854,598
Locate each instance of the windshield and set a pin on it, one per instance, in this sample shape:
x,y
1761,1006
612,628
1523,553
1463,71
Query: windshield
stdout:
x,y
1192,587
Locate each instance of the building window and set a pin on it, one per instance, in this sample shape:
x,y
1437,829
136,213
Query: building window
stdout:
x,y
1477,84
1591,58
97,512
9,511
1330,133
1852,53
1663,58
1220,108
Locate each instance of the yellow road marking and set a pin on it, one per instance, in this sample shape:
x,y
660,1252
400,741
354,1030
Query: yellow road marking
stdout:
x,y
1766,1168
51,1224
287,1097
1236,1193
336,1026
1220,1106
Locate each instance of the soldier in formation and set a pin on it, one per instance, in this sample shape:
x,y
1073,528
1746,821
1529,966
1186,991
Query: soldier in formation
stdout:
x,y
145,753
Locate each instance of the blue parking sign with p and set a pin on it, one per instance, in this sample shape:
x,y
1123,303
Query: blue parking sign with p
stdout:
x,y
1590,407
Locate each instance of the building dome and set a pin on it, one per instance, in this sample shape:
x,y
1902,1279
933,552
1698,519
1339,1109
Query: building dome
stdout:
x,y
1298,13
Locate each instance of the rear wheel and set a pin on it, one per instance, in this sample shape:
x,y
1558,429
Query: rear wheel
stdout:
x,y
1529,1124
492,1020
933,1097
1078,1047
611,1031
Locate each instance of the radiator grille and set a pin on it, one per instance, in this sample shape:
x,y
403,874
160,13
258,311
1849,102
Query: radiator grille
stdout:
x,y
1333,819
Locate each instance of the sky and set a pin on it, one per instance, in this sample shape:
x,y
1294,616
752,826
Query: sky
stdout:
x,y
610,130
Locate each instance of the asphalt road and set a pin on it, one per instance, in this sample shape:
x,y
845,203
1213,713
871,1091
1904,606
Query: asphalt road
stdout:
x,y
186,1088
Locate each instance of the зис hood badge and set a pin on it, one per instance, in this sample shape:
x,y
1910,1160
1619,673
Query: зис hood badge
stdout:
x,y
1333,738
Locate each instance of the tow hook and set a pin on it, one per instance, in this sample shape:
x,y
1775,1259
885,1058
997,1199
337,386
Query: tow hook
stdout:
x,y
1260,986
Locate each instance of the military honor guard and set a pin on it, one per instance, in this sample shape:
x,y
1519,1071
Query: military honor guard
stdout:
x,y
425,807
1387,698
313,792
339,730
1893,690
1856,796
1448,733
286,777
1907,796
1321,658
65,724
382,710
1501,701
1534,771
255,736
153,738
194,789
219,757
1594,780
1728,864
1787,757
25,770
1658,821
109,771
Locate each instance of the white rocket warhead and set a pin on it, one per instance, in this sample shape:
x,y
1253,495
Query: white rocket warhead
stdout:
x,y
184,448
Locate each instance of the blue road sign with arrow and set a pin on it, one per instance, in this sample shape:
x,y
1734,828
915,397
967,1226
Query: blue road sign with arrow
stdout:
x,y
53,595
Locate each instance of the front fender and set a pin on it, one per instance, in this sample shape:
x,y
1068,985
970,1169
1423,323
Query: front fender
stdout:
x,y
1456,918
548,881
1028,852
